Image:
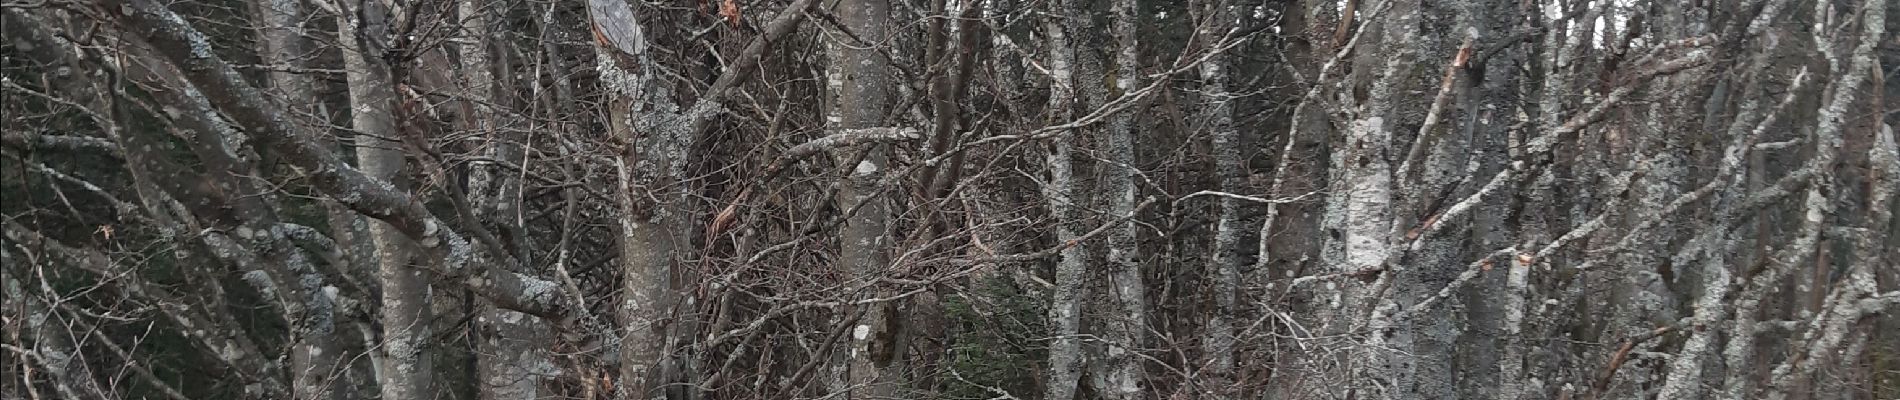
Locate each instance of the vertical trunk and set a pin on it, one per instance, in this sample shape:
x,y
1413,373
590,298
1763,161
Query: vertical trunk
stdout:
x,y
1494,224
478,80
958,60
1127,330
1823,340
495,191
860,85
511,347
1224,270
1062,193
644,116
1093,79
350,232
1643,298
1287,256
513,356
1444,168
315,358
477,74
1385,364
650,234
407,370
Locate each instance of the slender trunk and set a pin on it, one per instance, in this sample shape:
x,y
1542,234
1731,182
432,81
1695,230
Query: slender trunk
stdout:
x,y
1224,268
1128,330
408,369
1386,365
860,83
644,115
496,191
1063,194
511,348
315,358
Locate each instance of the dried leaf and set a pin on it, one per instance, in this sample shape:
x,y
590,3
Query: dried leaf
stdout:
x,y
730,10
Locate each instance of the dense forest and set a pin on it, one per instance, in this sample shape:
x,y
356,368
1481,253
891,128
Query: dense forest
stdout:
x,y
949,199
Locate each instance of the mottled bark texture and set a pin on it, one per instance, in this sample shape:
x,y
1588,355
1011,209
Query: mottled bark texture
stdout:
x,y
1127,331
858,81
408,368
1223,267
1064,198
317,358
948,199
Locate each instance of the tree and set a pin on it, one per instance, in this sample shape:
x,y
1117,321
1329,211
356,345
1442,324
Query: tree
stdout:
x,y
946,199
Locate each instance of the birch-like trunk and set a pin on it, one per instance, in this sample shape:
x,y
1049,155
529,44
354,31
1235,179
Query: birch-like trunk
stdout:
x,y
1063,194
1595,200
1385,362
1127,331
407,369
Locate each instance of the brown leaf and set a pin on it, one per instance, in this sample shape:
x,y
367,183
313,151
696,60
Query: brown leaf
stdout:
x,y
725,218
730,10
1422,226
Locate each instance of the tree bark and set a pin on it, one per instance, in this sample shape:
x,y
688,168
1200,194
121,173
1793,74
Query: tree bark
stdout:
x,y
315,360
1127,331
408,369
1229,166
859,82
1064,197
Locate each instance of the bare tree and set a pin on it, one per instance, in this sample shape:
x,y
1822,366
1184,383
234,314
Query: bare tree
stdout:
x,y
723,199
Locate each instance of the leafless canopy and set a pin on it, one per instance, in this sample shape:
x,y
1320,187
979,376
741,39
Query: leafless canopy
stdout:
x,y
949,199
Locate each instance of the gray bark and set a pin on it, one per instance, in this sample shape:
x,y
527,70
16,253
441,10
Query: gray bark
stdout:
x,y
859,81
1229,165
53,351
1127,331
1063,197
407,369
511,352
644,112
1583,200
316,359
1389,368
466,262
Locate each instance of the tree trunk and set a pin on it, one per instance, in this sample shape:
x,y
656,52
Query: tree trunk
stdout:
x,y
1127,331
644,116
1229,165
407,369
859,82
316,359
511,349
1064,196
